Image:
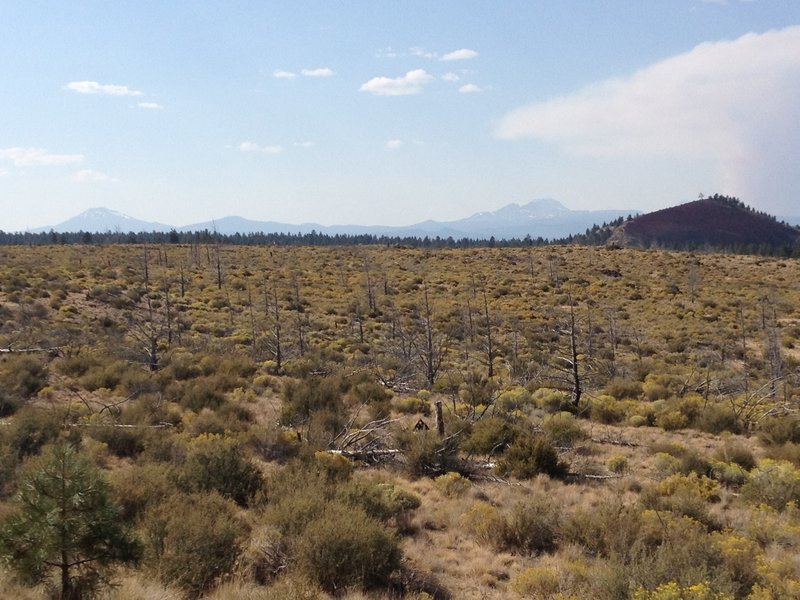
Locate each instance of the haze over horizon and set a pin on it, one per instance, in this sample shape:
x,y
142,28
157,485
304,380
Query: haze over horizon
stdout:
x,y
393,114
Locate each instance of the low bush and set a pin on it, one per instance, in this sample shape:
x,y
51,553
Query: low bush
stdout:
x,y
774,483
412,405
344,547
562,429
215,463
775,431
426,454
529,528
539,583
530,455
487,436
193,539
607,409
452,485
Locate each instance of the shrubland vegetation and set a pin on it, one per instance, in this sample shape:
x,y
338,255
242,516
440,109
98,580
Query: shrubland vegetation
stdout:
x,y
261,422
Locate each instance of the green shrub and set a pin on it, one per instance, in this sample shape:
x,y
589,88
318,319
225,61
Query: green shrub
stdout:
x,y
139,487
217,463
606,409
683,495
675,591
551,400
22,375
312,394
775,431
539,583
729,474
344,547
617,464
383,501
774,483
9,404
426,454
530,455
717,418
487,436
735,452
452,485
672,420
121,441
529,528
411,405
200,393
562,429
32,428
624,388
609,530
514,399
193,539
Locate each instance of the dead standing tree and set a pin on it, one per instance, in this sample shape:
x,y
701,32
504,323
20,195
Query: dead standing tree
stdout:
x,y
567,367
429,345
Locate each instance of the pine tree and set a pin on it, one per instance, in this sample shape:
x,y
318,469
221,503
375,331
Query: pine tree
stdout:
x,y
65,521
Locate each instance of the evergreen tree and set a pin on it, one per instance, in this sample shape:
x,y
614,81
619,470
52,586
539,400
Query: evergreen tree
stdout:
x,y
65,521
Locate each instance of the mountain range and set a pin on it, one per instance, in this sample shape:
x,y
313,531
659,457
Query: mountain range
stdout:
x,y
545,217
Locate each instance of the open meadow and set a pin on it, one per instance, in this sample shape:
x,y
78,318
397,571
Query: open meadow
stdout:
x,y
261,423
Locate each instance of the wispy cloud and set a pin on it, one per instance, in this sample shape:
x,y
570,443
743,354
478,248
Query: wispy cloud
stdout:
x,y
734,102
90,176
421,52
305,144
37,157
410,83
281,74
253,147
322,72
150,106
394,144
462,54
470,88
107,89
451,77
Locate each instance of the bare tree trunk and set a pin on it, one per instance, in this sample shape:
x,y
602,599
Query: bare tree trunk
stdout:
x,y
573,340
489,340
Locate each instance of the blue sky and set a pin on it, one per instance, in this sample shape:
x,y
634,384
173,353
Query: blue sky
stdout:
x,y
377,112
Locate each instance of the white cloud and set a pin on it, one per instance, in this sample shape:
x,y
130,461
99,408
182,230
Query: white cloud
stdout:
x,y
322,72
462,54
37,157
281,74
451,77
410,83
306,144
107,89
733,102
90,176
150,105
253,147
421,52
470,88
394,144
387,52
4,172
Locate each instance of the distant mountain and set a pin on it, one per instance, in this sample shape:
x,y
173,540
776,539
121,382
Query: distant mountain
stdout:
x,y
544,218
102,220
717,221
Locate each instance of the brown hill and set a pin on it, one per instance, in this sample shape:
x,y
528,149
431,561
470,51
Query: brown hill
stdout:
x,y
717,221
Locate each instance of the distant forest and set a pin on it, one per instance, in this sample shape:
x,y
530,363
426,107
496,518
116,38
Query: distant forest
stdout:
x,y
597,235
